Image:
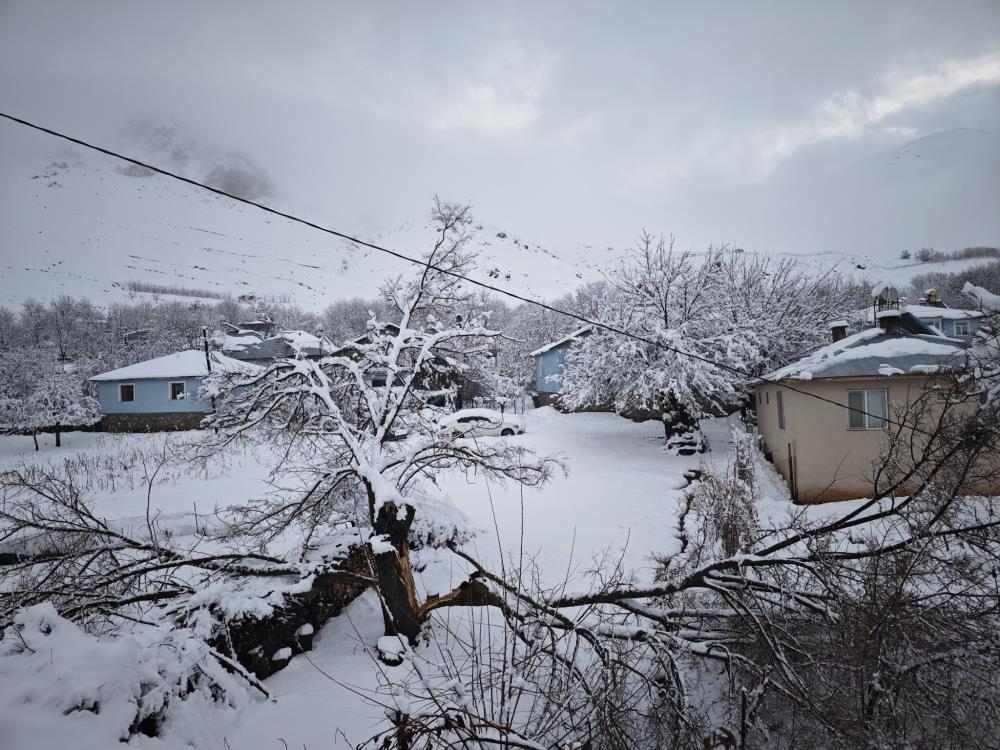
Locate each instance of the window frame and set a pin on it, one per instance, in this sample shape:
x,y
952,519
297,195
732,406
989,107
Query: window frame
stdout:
x,y
965,325
122,400
170,390
866,416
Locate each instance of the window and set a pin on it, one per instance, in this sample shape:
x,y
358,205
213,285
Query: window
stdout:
x,y
961,328
869,409
767,396
781,410
126,392
541,367
177,391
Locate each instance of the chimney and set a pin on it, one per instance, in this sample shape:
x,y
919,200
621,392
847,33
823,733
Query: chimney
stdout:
x,y
888,321
838,329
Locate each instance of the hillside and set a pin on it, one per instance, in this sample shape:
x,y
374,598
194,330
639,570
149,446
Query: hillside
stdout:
x,y
86,225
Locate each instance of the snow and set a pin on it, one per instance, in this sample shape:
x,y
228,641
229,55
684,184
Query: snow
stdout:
x,y
380,544
618,501
946,313
490,414
63,688
886,314
986,298
869,343
888,370
88,230
619,496
282,654
571,337
392,647
237,343
303,340
838,324
187,364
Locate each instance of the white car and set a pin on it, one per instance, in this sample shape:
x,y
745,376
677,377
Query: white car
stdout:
x,y
480,423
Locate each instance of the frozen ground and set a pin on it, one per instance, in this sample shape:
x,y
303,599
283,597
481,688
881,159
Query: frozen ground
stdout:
x,y
618,497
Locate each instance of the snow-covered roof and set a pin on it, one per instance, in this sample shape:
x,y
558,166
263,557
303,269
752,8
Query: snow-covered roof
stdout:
x,y
301,340
945,313
873,352
239,342
572,337
186,364
249,345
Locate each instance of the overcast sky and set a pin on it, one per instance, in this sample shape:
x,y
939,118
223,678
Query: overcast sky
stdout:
x,y
571,122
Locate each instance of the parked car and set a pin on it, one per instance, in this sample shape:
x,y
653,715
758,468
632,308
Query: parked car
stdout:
x,y
480,423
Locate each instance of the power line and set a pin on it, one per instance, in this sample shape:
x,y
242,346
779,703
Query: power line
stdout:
x,y
757,379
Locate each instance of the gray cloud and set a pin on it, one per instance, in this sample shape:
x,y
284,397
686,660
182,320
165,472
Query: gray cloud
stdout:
x,y
573,122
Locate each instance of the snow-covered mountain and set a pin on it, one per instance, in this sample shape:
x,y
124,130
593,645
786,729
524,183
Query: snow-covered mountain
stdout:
x,y
87,225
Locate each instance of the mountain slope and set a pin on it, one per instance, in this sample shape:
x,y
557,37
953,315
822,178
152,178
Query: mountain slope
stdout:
x,y
87,225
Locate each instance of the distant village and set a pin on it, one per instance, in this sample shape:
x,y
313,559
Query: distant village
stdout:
x,y
889,352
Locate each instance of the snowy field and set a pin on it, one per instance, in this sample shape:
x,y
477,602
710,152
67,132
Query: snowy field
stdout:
x,y
617,500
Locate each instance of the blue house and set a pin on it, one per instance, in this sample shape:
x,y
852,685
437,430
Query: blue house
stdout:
x,y
548,364
158,394
956,324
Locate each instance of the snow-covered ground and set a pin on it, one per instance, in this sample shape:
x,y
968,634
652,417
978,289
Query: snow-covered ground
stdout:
x,y
618,497
619,490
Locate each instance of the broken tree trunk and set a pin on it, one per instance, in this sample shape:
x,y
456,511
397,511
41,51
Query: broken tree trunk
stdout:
x,y
392,572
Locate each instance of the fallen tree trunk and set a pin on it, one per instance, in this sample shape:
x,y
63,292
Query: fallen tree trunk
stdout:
x,y
265,645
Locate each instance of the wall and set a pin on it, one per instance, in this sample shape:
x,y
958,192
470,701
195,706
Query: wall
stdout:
x,y
552,362
947,327
162,422
152,396
831,462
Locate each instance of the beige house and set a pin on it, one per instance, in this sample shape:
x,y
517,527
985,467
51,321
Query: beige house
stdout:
x,y
824,451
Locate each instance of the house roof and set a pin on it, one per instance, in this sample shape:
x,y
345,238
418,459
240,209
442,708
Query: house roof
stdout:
x,y
572,337
946,313
874,352
248,345
186,364
909,321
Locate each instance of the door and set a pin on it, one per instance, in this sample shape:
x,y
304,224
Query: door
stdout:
x,y
793,483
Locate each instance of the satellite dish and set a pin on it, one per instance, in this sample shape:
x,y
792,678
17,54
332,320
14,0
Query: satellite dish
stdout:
x,y
885,293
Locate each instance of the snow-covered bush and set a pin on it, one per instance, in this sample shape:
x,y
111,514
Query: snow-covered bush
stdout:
x,y
723,506
95,693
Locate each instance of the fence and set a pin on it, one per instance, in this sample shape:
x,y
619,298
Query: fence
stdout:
x,y
511,405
